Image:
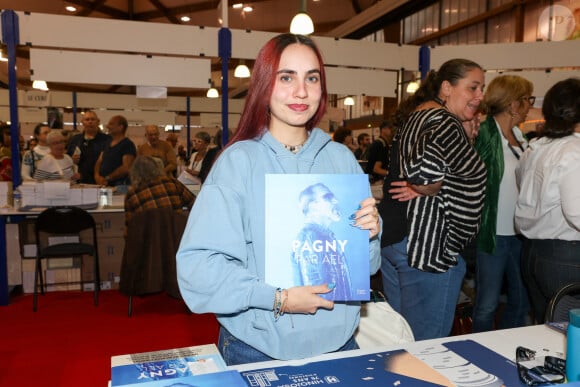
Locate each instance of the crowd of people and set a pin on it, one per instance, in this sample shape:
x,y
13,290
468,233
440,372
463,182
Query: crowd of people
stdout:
x,y
147,173
455,169
104,156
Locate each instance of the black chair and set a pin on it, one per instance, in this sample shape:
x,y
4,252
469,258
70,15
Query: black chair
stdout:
x,y
66,221
566,298
148,266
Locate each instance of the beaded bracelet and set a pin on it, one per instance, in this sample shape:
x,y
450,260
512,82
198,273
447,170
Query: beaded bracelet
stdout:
x,y
284,296
277,304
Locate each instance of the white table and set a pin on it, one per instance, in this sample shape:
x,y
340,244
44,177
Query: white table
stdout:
x,y
9,215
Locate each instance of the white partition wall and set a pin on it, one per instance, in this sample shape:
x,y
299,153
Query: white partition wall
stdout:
x,y
118,69
543,63
529,55
92,50
542,80
155,54
86,33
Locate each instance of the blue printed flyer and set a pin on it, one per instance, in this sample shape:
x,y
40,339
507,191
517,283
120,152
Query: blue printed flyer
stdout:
x,y
165,365
464,363
374,370
310,234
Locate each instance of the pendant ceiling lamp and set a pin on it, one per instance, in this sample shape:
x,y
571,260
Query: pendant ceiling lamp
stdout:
x,y
302,23
40,85
242,71
212,91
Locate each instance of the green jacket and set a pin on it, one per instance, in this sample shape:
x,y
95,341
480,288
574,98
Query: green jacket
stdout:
x,y
489,148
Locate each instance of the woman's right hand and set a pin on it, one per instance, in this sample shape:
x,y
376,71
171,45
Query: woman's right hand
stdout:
x,y
306,299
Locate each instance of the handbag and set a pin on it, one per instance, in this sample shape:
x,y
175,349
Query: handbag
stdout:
x,y
380,324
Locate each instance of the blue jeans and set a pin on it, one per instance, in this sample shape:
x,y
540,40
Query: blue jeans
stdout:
x,y
426,300
235,351
547,265
490,271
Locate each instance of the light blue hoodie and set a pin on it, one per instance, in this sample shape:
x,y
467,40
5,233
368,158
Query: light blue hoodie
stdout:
x,y
220,262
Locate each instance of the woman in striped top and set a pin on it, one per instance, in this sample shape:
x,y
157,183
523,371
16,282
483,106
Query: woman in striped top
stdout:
x,y
56,165
433,196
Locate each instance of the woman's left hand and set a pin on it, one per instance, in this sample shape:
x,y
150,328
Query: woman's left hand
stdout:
x,y
367,218
402,191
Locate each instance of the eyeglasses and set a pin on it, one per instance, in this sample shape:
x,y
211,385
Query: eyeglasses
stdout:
x,y
533,373
531,99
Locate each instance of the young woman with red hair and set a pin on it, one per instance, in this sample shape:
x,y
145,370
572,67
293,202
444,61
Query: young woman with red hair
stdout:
x,y
221,260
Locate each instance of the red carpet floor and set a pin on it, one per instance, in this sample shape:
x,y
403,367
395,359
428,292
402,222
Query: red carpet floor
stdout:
x,y
69,341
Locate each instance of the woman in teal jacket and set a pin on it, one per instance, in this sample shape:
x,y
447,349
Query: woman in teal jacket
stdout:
x,y
500,144
221,259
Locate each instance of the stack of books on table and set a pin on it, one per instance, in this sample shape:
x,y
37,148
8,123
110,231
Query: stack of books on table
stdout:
x,y
200,366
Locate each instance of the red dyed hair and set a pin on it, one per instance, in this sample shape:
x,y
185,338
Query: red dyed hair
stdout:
x,y
255,118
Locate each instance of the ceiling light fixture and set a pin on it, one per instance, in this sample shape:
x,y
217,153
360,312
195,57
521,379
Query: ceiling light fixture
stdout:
x,y
248,8
212,91
242,71
412,87
349,101
40,85
302,23
237,6
71,8
185,18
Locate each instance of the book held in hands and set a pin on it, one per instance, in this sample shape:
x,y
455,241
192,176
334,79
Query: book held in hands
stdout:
x,y
311,236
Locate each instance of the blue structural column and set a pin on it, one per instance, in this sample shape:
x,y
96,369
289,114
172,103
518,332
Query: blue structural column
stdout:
x,y
225,53
10,36
74,110
424,61
188,123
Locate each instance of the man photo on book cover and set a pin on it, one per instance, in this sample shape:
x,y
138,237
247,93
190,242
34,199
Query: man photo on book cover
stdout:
x,y
310,235
318,255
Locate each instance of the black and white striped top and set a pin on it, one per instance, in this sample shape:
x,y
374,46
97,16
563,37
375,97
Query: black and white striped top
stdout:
x,y
50,168
434,148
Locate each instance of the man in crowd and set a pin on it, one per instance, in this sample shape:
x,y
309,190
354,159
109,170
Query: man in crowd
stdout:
x,y
364,141
378,156
85,147
172,140
159,150
112,166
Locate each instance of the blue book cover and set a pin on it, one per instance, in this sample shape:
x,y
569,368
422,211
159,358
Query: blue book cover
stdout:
x,y
374,370
168,364
310,239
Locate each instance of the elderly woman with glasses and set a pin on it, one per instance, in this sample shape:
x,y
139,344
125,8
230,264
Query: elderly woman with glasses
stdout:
x,y
200,144
56,165
500,144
